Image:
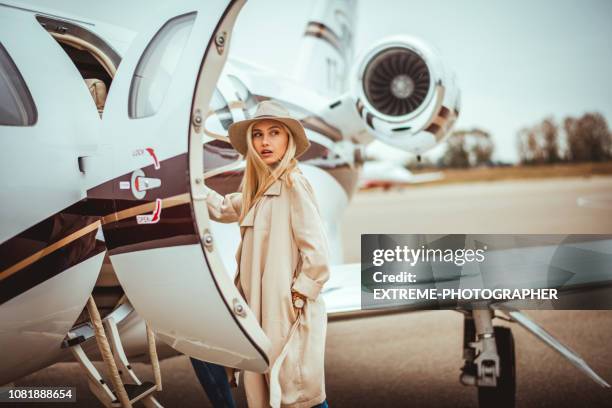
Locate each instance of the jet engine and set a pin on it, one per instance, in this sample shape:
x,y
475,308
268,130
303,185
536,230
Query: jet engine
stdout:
x,y
404,94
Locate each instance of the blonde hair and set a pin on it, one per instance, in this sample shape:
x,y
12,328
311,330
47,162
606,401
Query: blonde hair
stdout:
x,y
259,176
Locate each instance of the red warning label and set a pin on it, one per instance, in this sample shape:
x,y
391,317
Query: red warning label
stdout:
x,y
151,218
151,152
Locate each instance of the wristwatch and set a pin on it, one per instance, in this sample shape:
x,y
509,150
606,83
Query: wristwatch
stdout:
x,y
298,301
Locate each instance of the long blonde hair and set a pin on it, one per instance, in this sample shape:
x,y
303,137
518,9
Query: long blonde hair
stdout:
x,y
259,176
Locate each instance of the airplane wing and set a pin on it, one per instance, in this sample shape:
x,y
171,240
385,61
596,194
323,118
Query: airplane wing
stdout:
x,y
342,293
427,177
379,173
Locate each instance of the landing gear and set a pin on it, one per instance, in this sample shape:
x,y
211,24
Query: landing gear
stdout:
x,y
504,393
489,360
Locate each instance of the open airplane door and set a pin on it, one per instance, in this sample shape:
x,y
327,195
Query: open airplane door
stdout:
x,y
163,256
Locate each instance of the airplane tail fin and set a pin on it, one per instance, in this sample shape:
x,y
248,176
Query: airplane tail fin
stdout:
x,y
326,52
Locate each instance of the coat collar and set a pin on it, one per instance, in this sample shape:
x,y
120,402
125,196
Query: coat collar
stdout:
x,y
249,218
274,190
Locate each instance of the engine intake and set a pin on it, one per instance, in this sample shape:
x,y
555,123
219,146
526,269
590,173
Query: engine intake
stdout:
x,y
404,95
396,81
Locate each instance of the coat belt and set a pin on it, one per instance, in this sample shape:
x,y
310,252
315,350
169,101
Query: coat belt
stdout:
x,y
275,389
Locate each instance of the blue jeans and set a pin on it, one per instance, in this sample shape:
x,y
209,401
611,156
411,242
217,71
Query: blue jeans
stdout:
x,y
322,405
214,381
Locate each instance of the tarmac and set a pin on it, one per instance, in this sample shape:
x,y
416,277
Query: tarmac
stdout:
x,y
413,359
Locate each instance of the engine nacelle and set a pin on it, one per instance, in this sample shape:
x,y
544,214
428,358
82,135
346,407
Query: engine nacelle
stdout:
x,y
404,94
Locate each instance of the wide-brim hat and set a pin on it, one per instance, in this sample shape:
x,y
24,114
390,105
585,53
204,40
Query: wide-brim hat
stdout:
x,y
268,110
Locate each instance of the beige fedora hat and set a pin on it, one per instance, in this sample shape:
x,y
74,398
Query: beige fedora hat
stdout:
x,y
268,110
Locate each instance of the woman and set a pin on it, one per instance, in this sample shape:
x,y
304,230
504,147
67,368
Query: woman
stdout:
x,y
282,257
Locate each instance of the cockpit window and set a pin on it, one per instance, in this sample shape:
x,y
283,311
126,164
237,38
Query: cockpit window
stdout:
x,y
16,105
157,65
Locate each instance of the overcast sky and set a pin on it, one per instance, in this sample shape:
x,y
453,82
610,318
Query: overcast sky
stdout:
x,y
516,61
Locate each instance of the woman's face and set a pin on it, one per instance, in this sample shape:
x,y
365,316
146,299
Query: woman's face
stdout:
x,y
270,140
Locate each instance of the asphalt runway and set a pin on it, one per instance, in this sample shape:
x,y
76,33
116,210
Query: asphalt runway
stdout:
x,y
532,206
414,359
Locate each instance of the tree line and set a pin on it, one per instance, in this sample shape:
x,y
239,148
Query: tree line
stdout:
x,y
577,139
586,138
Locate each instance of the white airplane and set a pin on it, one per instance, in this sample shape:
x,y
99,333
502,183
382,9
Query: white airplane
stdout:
x,y
110,128
385,174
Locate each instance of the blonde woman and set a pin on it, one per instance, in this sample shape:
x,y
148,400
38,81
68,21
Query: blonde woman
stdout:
x,y
282,257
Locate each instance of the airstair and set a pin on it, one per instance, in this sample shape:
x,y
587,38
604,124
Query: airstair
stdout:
x,y
124,388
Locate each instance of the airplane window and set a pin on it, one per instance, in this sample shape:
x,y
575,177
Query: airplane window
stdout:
x,y
16,105
156,66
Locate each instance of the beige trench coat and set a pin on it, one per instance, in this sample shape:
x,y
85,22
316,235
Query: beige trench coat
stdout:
x,y
283,247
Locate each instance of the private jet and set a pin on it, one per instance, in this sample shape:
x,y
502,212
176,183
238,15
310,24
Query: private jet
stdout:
x,y
387,174
110,130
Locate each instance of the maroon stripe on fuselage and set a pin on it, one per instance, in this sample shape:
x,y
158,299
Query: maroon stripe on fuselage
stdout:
x,y
176,226
48,266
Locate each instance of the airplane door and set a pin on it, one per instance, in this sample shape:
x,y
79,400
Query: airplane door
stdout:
x,y
49,258
156,247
